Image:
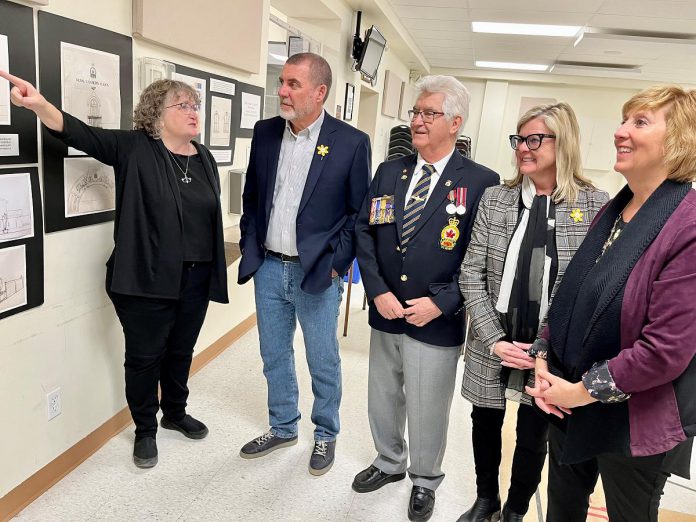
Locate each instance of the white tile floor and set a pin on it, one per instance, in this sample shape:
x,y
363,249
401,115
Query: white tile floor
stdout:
x,y
207,480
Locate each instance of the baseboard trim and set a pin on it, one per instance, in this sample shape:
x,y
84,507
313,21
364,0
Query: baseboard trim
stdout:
x,y
41,481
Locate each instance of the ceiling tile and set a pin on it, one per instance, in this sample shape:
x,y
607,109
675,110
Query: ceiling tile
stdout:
x,y
432,3
643,23
432,13
445,25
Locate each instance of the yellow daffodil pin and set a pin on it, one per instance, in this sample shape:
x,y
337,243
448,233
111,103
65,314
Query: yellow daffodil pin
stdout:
x,y
322,150
576,214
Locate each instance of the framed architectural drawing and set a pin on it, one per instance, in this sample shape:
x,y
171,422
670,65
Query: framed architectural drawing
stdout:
x,y
348,102
88,72
18,136
21,241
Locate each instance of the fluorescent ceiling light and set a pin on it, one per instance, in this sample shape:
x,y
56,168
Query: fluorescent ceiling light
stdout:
x,y
526,29
510,65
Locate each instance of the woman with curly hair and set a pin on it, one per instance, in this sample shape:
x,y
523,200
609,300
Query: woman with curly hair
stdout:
x,y
168,259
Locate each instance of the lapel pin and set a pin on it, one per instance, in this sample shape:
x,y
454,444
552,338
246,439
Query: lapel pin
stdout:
x,y
404,176
404,171
448,183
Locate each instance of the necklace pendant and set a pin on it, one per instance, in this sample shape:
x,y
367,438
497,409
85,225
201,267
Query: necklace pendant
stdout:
x,y
186,179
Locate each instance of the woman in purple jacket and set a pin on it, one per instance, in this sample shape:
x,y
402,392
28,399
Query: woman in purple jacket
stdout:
x,y
616,362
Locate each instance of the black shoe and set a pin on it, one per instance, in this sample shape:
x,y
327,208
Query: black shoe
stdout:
x,y
322,457
421,504
373,478
510,516
145,452
190,427
483,510
264,444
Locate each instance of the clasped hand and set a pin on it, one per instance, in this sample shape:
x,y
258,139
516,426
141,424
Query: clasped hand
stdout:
x,y
420,311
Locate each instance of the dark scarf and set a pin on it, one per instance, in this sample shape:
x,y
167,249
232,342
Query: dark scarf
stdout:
x,y
521,321
585,317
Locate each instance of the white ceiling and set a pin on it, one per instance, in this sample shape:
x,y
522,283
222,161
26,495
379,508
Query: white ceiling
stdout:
x,y
657,38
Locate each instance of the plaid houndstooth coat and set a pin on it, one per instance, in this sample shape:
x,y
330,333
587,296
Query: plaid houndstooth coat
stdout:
x,y
482,271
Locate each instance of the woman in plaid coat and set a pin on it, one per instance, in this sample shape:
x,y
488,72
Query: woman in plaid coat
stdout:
x,y
524,235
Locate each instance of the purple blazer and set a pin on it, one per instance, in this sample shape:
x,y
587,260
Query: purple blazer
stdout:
x,y
658,334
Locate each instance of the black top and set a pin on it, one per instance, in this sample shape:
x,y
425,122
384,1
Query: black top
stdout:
x,y
148,251
198,206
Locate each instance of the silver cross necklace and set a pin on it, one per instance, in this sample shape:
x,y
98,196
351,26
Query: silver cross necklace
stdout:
x,y
185,179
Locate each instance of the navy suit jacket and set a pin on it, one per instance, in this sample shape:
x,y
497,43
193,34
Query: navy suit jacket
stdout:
x,y
426,269
336,186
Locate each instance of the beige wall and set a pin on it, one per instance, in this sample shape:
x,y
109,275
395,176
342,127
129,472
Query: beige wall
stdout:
x,y
74,340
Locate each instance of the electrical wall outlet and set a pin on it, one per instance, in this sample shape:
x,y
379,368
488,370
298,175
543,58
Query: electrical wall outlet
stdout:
x,y
55,404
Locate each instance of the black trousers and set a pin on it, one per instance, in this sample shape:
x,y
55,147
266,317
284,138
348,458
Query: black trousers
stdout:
x,y
528,459
160,335
632,485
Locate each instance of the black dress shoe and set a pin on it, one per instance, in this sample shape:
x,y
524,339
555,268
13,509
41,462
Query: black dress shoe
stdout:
x,y
421,505
510,516
483,510
373,478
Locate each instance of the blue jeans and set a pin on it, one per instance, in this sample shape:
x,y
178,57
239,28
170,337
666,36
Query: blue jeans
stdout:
x,y
279,302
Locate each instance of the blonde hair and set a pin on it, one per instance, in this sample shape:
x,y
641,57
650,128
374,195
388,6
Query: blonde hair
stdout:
x,y
680,118
561,121
147,115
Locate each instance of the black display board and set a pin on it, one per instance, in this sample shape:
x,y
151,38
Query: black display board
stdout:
x,y
240,87
52,31
20,289
17,24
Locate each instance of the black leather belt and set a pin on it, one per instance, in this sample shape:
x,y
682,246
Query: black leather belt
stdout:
x,y
283,257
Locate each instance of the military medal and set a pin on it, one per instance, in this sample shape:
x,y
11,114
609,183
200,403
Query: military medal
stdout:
x,y
382,210
449,234
451,208
461,200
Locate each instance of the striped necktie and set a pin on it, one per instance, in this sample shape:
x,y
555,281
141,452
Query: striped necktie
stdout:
x,y
415,205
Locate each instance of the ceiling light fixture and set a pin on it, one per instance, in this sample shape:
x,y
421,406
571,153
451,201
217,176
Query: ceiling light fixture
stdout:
x,y
567,31
511,65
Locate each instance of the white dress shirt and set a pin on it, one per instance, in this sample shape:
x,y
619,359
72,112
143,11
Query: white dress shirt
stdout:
x,y
418,174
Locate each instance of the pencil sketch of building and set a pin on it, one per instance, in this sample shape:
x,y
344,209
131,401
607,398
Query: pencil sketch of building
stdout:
x,y
89,187
16,212
10,287
15,222
216,122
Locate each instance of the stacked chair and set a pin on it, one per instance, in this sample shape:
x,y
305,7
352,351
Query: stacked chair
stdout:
x,y
399,142
463,145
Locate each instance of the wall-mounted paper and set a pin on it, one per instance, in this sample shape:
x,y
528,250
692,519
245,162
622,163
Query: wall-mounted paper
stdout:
x,y
220,120
90,88
13,278
222,87
16,208
89,186
9,144
222,155
251,110
4,84
200,86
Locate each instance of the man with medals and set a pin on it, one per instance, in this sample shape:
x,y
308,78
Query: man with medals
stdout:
x,y
412,233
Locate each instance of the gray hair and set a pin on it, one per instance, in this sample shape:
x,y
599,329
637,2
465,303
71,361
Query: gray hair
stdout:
x,y
319,69
457,97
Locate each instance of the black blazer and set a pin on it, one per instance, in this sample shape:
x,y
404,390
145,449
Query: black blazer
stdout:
x,y
334,190
148,254
426,269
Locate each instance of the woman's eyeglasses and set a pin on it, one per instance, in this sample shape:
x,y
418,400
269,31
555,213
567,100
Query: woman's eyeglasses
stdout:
x,y
186,107
533,141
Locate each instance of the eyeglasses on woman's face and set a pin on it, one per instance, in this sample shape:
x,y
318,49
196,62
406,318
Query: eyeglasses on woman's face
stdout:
x,y
533,141
186,107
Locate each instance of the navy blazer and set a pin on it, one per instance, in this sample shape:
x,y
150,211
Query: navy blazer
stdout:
x,y
336,186
426,269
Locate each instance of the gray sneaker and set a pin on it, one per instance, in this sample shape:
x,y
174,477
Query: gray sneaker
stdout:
x,y
264,444
322,457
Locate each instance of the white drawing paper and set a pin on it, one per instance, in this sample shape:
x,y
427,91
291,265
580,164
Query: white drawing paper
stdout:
x,y
90,85
13,278
220,121
251,110
222,86
89,186
200,85
9,144
222,155
16,208
4,84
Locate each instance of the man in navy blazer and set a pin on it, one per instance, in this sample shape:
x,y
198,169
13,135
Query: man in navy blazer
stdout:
x,y
308,175
412,233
